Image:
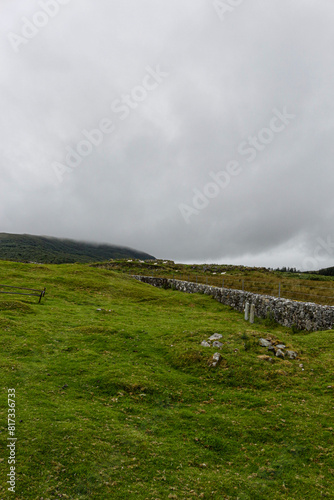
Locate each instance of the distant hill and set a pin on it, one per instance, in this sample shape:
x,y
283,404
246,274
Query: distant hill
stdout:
x,y
49,250
329,271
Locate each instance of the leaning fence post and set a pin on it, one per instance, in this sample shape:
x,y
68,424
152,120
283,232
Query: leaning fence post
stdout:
x,y
42,295
279,290
252,313
243,285
247,311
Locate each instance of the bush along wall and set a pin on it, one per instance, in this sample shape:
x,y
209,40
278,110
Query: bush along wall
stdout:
x,y
301,315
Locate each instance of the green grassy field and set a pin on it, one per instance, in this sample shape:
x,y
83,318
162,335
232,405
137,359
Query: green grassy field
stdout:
x,y
121,403
295,286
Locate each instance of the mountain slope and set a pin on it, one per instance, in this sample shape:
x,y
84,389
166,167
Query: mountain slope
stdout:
x,y
29,248
329,271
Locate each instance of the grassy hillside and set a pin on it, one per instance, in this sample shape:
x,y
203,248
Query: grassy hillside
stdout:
x,y
28,248
329,271
115,398
296,286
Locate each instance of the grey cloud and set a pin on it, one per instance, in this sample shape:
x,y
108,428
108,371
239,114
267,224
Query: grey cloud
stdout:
x,y
225,79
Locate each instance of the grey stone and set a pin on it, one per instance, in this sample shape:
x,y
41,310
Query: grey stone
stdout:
x,y
264,343
291,354
205,344
215,336
247,311
281,346
252,313
271,348
215,360
280,354
217,344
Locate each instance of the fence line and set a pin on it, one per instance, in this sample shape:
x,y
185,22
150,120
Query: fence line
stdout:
x,y
276,289
40,293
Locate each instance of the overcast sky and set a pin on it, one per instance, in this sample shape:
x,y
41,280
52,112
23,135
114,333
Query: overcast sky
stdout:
x,y
193,130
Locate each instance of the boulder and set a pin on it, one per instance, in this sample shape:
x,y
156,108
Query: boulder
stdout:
x,y
215,360
217,344
280,354
291,354
205,344
264,343
215,336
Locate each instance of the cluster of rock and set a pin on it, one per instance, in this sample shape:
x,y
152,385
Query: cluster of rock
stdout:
x,y
213,341
278,349
302,315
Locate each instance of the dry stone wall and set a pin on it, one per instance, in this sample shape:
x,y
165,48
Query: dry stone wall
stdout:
x,y
302,315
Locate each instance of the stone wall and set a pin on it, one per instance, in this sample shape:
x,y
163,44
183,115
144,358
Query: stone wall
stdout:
x,y
302,315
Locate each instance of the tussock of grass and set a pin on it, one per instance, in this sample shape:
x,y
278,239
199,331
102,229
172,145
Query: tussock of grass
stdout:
x,y
15,306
